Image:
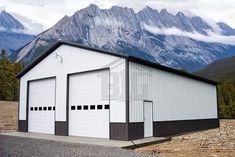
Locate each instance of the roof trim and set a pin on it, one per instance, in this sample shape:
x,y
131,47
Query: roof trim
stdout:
x,y
129,58
58,44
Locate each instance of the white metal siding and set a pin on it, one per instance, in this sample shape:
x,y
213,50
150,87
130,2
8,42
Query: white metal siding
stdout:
x,y
77,60
42,94
174,97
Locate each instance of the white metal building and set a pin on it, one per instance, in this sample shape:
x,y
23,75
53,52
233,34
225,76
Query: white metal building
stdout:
x,y
73,90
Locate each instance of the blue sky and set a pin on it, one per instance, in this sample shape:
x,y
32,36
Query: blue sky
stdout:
x,y
41,15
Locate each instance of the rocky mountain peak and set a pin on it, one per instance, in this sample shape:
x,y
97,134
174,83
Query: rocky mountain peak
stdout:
x,y
164,12
180,14
11,35
8,22
148,10
226,29
92,8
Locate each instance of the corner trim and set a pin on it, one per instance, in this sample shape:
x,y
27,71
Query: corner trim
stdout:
x,y
217,98
27,107
67,104
19,107
127,97
127,91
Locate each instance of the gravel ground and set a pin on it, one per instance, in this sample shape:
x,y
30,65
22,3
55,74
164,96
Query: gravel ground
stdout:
x,y
219,142
25,147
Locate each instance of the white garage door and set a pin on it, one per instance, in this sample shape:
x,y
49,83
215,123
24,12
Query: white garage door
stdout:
x,y
89,104
42,106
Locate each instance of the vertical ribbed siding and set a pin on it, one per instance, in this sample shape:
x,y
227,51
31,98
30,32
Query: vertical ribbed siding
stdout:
x,y
174,97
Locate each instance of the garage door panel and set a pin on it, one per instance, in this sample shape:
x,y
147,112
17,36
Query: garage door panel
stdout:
x,y
86,90
39,90
42,106
42,121
87,126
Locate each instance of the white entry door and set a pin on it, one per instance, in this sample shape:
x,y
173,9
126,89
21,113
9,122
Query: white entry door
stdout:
x,y
148,118
41,101
89,104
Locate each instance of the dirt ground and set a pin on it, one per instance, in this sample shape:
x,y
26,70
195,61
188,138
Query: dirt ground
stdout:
x,y
8,116
218,142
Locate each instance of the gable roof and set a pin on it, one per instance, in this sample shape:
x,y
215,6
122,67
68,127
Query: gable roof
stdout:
x,y
130,58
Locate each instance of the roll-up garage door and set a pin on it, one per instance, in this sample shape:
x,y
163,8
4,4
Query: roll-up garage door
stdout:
x,y
41,101
89,104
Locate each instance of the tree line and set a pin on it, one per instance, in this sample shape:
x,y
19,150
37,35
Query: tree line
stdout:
x,y
9,87
226,93
9,84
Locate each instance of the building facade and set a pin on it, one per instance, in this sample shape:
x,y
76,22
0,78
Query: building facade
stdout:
x,y
72,90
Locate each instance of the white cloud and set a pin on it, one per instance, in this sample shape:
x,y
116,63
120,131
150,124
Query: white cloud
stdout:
x,y
2,8
21,31
31,26
2,28
211,37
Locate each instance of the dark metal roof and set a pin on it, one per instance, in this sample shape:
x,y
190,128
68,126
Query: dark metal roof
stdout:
x,y
130,58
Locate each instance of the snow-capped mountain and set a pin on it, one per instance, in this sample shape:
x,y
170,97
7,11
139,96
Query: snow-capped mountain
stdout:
x,y
11,33
177,40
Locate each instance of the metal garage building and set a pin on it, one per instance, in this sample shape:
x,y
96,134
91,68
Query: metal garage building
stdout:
x,y
73,90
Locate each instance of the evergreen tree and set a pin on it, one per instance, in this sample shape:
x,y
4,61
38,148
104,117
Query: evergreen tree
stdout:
x,y
9,85
227,99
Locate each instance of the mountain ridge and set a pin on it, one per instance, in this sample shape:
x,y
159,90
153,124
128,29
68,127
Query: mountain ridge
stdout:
x,y
122,30
219,70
